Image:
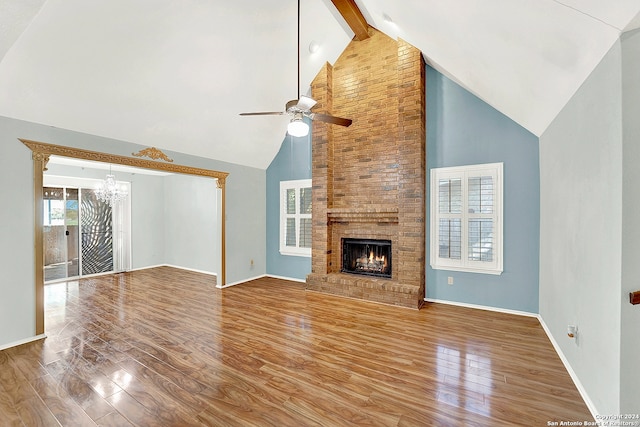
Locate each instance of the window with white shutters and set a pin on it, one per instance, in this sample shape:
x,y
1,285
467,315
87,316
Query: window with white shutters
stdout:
x,y
295,217
466,218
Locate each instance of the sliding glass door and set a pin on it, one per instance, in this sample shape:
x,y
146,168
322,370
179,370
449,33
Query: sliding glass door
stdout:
x,y
79,234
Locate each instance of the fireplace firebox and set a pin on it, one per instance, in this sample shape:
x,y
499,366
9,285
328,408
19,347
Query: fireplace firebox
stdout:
x,y
368,257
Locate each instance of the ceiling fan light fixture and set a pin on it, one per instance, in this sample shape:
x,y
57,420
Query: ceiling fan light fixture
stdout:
x,y
297,126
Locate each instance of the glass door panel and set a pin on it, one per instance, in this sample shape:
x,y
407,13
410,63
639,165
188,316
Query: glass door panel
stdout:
x,y
55,249
97,234
73,238
80,234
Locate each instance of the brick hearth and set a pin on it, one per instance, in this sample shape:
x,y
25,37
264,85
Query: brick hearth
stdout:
x,y
369,178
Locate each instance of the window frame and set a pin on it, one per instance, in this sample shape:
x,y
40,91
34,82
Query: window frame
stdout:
x,y
297,184
496,170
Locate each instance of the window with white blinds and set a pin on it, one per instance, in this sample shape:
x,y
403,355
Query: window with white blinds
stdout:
x,y
295,217
466,218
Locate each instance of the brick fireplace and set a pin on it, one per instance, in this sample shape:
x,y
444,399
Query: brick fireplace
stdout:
x,y
369,178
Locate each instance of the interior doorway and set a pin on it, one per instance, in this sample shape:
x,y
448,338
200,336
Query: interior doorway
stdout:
x,y
41,153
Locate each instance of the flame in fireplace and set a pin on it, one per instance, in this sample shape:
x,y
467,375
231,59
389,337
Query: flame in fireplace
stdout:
x,y
367,257
375,259
373,263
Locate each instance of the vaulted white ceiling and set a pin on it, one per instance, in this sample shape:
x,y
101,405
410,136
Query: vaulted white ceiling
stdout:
x,y
174,74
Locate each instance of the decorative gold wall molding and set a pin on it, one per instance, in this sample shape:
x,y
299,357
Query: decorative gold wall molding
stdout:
x,y
59,150
153,153
41,157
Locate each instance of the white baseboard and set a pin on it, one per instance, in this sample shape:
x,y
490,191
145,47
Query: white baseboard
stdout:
x,y
192,269
565,361
291,279
24,341
572,373
260,277
172,266
146,267
241,281
483,307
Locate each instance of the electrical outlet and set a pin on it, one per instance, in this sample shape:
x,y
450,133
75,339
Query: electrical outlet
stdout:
x,y
449,280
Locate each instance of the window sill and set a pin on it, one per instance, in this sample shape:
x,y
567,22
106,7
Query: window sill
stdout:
x,y
296,253
495,272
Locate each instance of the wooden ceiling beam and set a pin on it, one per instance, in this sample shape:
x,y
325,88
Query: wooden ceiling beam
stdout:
x,y
354,17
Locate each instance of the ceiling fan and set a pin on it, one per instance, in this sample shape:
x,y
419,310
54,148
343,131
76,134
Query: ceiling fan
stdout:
x,y
301,107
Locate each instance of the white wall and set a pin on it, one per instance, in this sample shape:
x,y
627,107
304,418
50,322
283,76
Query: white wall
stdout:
x,y
253,224
147,220
191,210
630,315
581,231
17,289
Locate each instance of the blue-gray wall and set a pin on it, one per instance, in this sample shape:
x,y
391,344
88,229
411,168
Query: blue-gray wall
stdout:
x,y
463,130
293,161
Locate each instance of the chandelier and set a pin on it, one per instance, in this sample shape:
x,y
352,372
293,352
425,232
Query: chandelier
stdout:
x,y
108,190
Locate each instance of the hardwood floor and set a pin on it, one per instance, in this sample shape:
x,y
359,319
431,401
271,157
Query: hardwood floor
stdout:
x,y
164,347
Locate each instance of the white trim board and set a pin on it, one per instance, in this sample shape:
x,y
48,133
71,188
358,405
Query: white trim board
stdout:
x,y
572,373
483,307
210,273
291,279
24,341
239,282
148,267
565,361
170,265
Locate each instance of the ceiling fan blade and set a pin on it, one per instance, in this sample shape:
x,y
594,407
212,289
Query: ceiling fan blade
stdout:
x,y
330,119
305,103
264,113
